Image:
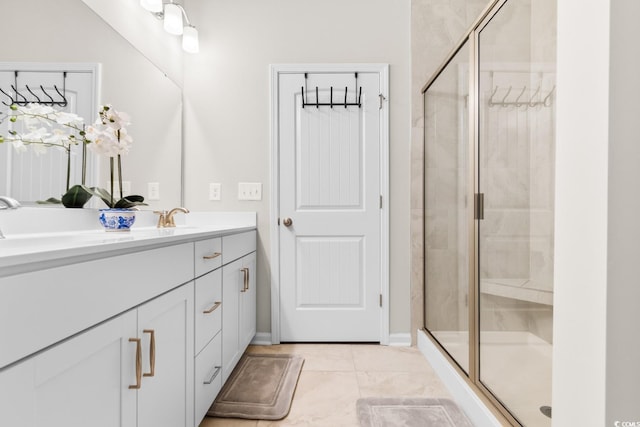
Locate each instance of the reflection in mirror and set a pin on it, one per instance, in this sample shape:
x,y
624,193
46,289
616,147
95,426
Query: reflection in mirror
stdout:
x,y
67,31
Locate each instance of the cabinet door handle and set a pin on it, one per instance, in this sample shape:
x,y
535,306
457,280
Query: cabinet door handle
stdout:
x,y
212,308
138,363
213,377
152,352
245,285
212,256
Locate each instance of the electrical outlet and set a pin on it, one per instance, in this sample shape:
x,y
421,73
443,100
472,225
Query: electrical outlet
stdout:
x,y
126,188
214,191
249,191
153,191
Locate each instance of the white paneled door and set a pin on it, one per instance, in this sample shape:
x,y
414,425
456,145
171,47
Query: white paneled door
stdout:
x,y
330,206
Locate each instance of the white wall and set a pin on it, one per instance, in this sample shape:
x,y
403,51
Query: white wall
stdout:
x,y
595,357
227,105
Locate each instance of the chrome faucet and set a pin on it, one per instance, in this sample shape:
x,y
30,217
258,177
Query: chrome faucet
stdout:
x,y
165,218
7,203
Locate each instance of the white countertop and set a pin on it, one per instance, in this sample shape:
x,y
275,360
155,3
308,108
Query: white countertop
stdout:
x,y
22,250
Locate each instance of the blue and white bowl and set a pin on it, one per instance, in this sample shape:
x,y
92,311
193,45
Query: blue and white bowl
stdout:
x,y
117,219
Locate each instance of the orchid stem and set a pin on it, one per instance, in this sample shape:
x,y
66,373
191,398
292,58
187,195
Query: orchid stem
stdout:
x,y
68,167
120,175
111,170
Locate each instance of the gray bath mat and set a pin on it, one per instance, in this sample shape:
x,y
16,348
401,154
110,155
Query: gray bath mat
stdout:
x,y
410,412
261,387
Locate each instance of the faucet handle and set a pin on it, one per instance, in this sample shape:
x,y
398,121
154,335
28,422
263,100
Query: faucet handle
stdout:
x,y
162,218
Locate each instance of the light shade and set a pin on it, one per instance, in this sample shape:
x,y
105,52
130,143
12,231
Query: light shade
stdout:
x,y
154,6
173,19
190,40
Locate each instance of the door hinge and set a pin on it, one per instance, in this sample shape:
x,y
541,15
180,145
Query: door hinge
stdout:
x,y
380,300
380,99
478,206
380,201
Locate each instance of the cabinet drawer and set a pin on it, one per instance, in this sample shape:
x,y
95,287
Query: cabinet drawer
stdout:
x,y
50,305
208,377
238,245
208,307
208,255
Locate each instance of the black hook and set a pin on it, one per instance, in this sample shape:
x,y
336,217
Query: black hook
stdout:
x,y
345,97
302,90
18,94
51,101
360,97
8,96
317,104
34,95
331,98
64,102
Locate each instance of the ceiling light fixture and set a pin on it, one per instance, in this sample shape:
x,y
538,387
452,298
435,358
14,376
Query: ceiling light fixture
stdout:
x,y
173,19
171,13
154,6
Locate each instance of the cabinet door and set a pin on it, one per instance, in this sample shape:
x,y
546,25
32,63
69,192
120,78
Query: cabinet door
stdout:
x,y
165,326
232,284
248,303
80,382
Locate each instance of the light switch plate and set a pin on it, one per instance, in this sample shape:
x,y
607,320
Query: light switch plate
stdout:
x,y
214,191
153,191
249,191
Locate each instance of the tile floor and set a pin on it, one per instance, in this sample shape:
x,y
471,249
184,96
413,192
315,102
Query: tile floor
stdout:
x,y
335,376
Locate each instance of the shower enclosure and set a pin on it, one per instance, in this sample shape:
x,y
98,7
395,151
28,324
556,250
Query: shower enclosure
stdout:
x,y
489,116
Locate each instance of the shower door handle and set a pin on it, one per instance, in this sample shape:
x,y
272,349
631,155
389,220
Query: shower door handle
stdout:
x,y
478,206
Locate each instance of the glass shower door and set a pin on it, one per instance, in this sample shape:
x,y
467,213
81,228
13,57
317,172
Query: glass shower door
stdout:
x,y
446,219
516,145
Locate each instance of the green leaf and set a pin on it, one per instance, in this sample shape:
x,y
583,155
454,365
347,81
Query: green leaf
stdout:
x,y
102,194
130,201
49,201
77,196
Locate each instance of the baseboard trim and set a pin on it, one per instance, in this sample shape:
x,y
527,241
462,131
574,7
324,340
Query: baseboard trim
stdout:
x,y
470,403
402,339
261,338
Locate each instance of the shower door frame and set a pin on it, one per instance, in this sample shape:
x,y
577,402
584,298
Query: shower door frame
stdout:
x,y
473,221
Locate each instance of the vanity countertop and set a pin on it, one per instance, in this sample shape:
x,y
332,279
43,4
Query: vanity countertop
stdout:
x,y
24,251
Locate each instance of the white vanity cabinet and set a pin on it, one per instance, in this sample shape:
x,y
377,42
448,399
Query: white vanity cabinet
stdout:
x,y
239,296
81,345
80,382
165,326
95,378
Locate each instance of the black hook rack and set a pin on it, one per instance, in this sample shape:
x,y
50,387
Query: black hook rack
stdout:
x,y
19,99
357,102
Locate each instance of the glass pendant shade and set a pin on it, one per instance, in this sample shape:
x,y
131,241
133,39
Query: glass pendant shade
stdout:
x,y
173,19
154,6
190,40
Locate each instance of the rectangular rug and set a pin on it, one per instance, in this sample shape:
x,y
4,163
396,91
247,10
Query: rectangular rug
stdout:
x,y
410,412
260,387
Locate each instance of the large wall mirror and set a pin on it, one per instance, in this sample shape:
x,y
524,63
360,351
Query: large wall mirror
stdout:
x,y
67,31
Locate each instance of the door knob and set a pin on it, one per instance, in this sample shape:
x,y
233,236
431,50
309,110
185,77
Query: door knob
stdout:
x,y
287,222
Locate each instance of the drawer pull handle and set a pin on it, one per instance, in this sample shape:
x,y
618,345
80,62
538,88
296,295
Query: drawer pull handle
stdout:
x,y
245,283
138,363
213,377
152,352
212,256
212,308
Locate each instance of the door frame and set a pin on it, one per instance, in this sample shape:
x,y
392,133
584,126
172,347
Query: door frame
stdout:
x,y
275,71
